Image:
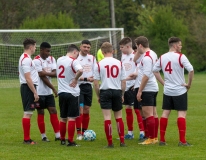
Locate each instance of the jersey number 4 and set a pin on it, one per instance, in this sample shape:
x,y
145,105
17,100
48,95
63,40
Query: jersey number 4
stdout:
x,y
168,67
111,71
61,74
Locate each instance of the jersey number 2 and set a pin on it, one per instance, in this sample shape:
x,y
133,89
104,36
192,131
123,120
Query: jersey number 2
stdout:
x,y
61,72
111,71
168,67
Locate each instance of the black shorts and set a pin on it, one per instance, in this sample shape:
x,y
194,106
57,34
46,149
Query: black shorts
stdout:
x,y
27,97
85,94
129,97
69,105
178,103
111,99
148,99
46,101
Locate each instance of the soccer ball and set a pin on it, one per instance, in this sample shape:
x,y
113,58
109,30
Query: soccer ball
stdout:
x,y
89,135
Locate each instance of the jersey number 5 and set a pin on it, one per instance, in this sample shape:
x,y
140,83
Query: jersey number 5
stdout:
x,y
61,74
111,71
168,67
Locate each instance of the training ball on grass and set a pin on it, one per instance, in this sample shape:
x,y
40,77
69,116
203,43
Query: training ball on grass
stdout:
x,y
89,135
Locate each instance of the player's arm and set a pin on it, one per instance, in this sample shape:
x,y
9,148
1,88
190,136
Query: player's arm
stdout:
x,y
96,88
31,85
190,78
136,57
159,77
123,86
51,74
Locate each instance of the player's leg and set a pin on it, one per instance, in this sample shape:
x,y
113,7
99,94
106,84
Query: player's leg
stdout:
x,y
167,105
72,113
139,115
180,104
156,120
63,116
117,108
87,105
28,107
128,102
148,101
79,118
106,106
50,103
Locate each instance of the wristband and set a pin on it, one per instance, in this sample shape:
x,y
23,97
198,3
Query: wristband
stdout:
x,y
85,79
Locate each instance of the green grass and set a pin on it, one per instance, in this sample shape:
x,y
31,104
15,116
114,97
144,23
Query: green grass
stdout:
x,y
11,136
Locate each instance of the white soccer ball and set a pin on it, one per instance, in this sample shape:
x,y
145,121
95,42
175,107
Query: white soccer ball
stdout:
x,y
89,135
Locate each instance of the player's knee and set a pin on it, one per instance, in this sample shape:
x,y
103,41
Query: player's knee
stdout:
x,y
52,110
40,111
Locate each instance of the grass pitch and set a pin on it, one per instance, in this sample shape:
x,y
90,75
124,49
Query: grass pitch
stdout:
x,y
12,148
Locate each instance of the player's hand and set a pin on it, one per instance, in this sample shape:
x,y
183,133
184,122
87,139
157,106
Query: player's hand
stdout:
x,y
36,97
122,99
55,93
73,83
139,94
90,79
132,76
132,88
98,100
187,86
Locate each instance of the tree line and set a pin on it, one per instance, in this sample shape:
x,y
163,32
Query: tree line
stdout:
x,y
157,19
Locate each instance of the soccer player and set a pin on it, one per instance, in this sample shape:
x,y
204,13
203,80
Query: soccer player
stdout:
x,y
29,80
129,95
68,72
110,94
172,64
148,88
88,62
46,67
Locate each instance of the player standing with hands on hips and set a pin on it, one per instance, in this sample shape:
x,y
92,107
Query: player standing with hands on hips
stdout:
x,y
29,80
172,64
68,72
110,94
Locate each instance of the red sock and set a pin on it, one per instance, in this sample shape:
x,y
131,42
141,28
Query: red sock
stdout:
x,y
156,126
55,122
151,126
62,126
41,124
163,127
71,130
108,131
145,128
120,129
181,122
129,117
85,122
79,123
26,128
139,120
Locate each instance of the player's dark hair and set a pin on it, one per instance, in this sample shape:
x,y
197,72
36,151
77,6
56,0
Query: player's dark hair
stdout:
x,y
172,40
45,45
27,42
143,41
125,40
134,47
86,42
72,47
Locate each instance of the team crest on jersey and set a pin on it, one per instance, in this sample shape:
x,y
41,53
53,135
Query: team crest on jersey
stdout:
x,y
89,60
48,62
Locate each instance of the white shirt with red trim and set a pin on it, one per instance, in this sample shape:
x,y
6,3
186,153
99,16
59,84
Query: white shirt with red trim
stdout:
x,y
47,65
130,66
146,68
88,63
110,71
27,65
66,71
172,65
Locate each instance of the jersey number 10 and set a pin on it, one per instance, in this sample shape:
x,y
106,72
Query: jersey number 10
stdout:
x,y
112,71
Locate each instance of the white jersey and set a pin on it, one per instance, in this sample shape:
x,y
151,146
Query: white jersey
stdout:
x,y
47,65
27,65
130,66
110,71
66,71
172,65
87,62
146,68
